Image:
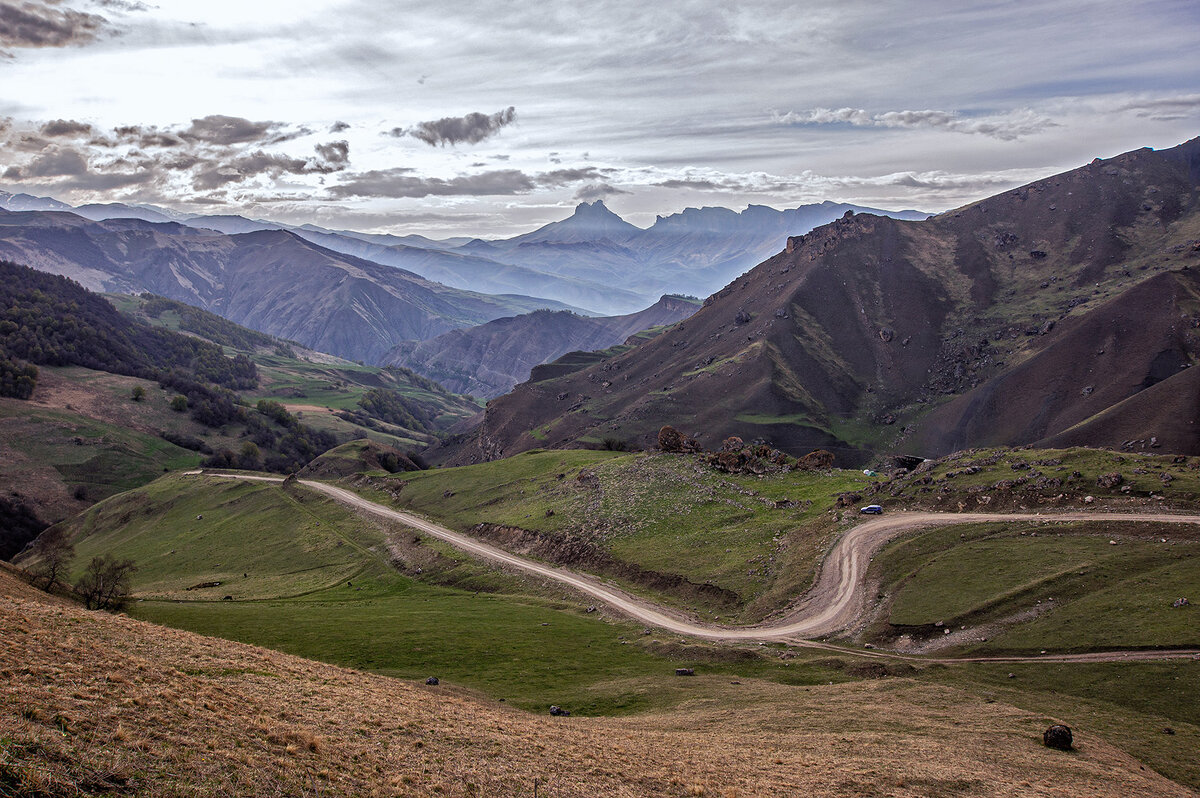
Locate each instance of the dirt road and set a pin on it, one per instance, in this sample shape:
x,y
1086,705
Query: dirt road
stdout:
x,y
833,603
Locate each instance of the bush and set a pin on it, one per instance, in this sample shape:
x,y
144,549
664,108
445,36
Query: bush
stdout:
x,y
105,585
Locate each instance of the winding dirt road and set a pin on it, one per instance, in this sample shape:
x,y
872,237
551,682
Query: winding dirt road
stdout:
x,y
834,602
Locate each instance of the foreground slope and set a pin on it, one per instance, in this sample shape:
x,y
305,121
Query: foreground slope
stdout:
x,y
96,704
490,359
1020,318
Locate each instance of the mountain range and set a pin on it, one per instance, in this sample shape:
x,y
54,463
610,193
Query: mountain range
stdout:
x,y
488,360
273,281
1063,311
592,259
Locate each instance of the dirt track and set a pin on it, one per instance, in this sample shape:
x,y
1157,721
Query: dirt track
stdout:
x,y
834,602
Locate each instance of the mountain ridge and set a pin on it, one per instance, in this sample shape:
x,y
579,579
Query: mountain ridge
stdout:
x,y
859,336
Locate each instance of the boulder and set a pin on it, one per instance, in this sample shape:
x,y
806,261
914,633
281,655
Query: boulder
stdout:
x,y
816,461
685,672
1058,736
669,439
559,712
1110,480
432,680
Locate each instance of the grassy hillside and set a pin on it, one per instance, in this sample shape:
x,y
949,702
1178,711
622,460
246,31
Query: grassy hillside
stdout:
x,y
308,577
737,546
482,632
104,705
1023,588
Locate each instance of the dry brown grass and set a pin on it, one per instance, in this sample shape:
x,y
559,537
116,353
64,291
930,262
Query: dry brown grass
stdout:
x,y
98,704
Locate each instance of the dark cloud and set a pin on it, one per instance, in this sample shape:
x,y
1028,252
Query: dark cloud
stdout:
x,y
562,177
697,185
226,130
331,157
57,162
66,128
143,137
398,183
338,127
470,129
28,24
597,191
334,152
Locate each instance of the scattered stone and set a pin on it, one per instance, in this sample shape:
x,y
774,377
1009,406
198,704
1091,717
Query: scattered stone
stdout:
x,y
1058,736
199,517
886,335
559,712
1168,730
1089,499
1181,602
1110,480
742,317
227,598
591,608
432,680
685,671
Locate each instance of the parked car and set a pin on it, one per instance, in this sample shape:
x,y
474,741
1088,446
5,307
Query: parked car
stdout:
x,y
871,509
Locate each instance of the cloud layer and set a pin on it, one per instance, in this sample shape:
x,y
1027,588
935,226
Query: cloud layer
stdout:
x,y
35,25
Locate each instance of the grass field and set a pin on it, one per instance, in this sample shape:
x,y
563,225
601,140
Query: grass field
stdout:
x,y
757,540
326,585
1071,587
308,577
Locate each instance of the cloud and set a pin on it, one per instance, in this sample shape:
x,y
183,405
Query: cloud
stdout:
x,y
331,157
334,152
1161,109
226,130
396,183
400,182
1006,127
206,155
562,177
32,25
470,129
66,128
122,5
597,191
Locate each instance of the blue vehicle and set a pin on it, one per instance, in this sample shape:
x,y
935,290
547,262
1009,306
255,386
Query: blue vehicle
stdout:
x,y
871,509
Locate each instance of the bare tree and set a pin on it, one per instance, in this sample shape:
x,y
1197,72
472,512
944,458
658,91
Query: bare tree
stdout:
x,y
105,585
54,554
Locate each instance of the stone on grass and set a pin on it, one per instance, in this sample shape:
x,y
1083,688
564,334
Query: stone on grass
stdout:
x,y
1058,736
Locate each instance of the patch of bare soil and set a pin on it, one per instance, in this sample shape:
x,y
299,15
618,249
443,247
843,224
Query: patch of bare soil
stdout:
x,y
96,704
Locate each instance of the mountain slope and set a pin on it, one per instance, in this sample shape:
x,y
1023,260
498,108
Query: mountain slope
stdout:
x,y
490,359
270,280
859,336
693,252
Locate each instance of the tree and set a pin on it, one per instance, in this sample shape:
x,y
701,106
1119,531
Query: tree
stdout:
x,y
138,393
179,403
105,585
54,553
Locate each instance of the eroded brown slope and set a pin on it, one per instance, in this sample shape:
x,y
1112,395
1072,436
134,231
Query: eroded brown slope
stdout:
x,y
95,704
852,337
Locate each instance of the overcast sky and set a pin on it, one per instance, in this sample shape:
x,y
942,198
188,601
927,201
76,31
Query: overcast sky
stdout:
x,y
485,118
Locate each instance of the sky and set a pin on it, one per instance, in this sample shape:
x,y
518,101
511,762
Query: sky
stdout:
x,y
489,119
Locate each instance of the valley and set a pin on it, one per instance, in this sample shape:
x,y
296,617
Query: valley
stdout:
x,y
424,515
